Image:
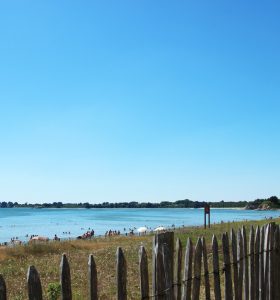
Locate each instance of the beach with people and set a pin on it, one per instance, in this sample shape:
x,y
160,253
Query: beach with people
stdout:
x,y
71,224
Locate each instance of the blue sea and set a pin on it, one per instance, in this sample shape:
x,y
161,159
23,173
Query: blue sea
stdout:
x,y
20,222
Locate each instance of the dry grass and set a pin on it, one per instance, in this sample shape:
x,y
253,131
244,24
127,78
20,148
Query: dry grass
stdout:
x,y
46,257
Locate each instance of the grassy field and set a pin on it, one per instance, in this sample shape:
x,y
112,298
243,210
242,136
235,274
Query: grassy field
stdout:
x,y
46,258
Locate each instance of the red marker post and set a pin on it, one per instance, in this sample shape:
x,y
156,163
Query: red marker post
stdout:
x,y
206,212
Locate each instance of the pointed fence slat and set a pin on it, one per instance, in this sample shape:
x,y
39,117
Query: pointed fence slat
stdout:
x,y
257,261
266,262
216,272
121,275
160,290
92,278
65,279
144,273
227,268
246,265
178,270
240,263
234,263
271,287
3,290
197,270
188,271
261,265
158,242
34,284
252,264
276,262
205,267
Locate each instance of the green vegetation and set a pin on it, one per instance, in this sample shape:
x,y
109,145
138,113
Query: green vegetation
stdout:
x,y
272,202
269,203
54,291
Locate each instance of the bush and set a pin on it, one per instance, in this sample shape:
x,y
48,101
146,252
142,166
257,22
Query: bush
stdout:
x,y
54,290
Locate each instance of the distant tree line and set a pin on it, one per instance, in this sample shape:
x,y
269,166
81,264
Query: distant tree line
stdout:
x,y
164,204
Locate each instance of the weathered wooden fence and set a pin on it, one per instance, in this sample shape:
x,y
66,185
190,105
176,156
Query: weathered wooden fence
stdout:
x,y
238,269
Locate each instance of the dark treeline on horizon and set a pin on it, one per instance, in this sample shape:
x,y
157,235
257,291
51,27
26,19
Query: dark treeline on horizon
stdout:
x,y
164,204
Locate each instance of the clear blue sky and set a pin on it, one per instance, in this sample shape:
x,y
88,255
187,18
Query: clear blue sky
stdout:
x,y
139,100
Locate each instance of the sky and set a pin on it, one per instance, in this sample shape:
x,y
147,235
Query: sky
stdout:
x,y
139,100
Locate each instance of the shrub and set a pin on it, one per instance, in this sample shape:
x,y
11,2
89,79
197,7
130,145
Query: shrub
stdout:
x,y
53,291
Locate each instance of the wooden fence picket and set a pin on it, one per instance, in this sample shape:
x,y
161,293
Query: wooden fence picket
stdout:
x,y
178,270
144,273
234,263
65,279
92,278
252,285
188,271
266,262
276,262
34,284
205,267
197,270
271,263
257,261
3,290
216,271
246,265
240,263
121,275
227,268
261,265
159,292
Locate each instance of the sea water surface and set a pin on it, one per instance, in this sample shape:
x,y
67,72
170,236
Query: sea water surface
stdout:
x,y
20,222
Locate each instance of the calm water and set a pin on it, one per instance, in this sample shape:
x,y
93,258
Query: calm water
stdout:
x,y
17,222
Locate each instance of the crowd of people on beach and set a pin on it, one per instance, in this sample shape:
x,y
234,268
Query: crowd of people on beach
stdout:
x,y
112,233
87,235
90,233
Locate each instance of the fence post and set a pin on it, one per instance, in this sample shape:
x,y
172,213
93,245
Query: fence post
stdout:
x,y
262,267
121,275
159,240
34,284
257,270
159,288
278,265
188,271
144,274
246,266
206,272
266,262
276,262
65,279
92,278
197,270
217,283
3,290
227,268
240,263
178,270
234,263
271,262
252,285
